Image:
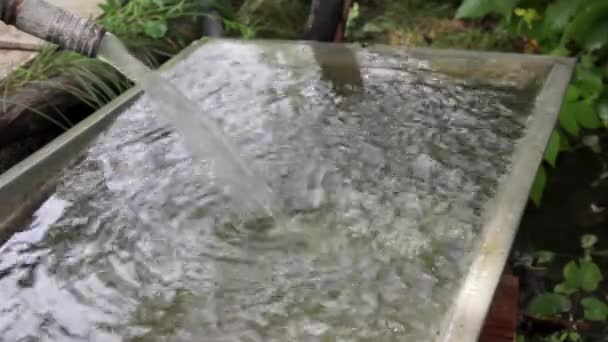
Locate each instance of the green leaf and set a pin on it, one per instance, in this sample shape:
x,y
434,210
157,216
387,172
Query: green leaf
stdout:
x,y
472,9
353,15
560,51
521,338
587,61
552,149
538,187
155,28
548,304
372,27
597,37
564,289
544,257
528,15
559,13
602,110
574,336
586,115
572,277
563,140
589,81
578,113
573,93
590,275
588,241
104,7
593,142
567,120
559,336
585,275
595,309
585,20
378,24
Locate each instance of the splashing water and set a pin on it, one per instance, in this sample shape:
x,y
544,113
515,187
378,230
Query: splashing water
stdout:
x,y
388,162
202,136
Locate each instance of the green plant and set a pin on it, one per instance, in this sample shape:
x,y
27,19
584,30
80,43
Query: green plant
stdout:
x,y
93,82
562,28
149,27
409,17
271,18
353,15
476,39
577,298
480,8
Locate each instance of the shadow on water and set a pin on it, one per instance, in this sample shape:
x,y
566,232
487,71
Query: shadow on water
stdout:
x,y
339,67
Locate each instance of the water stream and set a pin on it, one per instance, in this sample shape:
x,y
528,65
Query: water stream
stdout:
x,y
202,135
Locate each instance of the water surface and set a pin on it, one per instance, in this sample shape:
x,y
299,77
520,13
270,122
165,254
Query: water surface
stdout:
x,y
199,131
383,164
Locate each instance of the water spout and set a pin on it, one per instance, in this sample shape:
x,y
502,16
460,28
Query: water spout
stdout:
x,y
53,24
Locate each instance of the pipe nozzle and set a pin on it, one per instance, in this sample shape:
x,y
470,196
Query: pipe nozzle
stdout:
x,y
53,24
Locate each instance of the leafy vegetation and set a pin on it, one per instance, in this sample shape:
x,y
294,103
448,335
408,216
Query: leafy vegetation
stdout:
x,y
407,22
576,28
150,27
94,83
577,299
153,29
282,19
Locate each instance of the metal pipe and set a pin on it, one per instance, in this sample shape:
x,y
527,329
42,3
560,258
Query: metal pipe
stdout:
x,y
211,24
53,24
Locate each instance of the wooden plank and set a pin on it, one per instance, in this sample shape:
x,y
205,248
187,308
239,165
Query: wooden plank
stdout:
x,y
18,48
12,59
9,35
501,323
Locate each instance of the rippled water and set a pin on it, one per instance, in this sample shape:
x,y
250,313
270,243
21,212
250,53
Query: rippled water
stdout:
x,y
383,165
200,133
